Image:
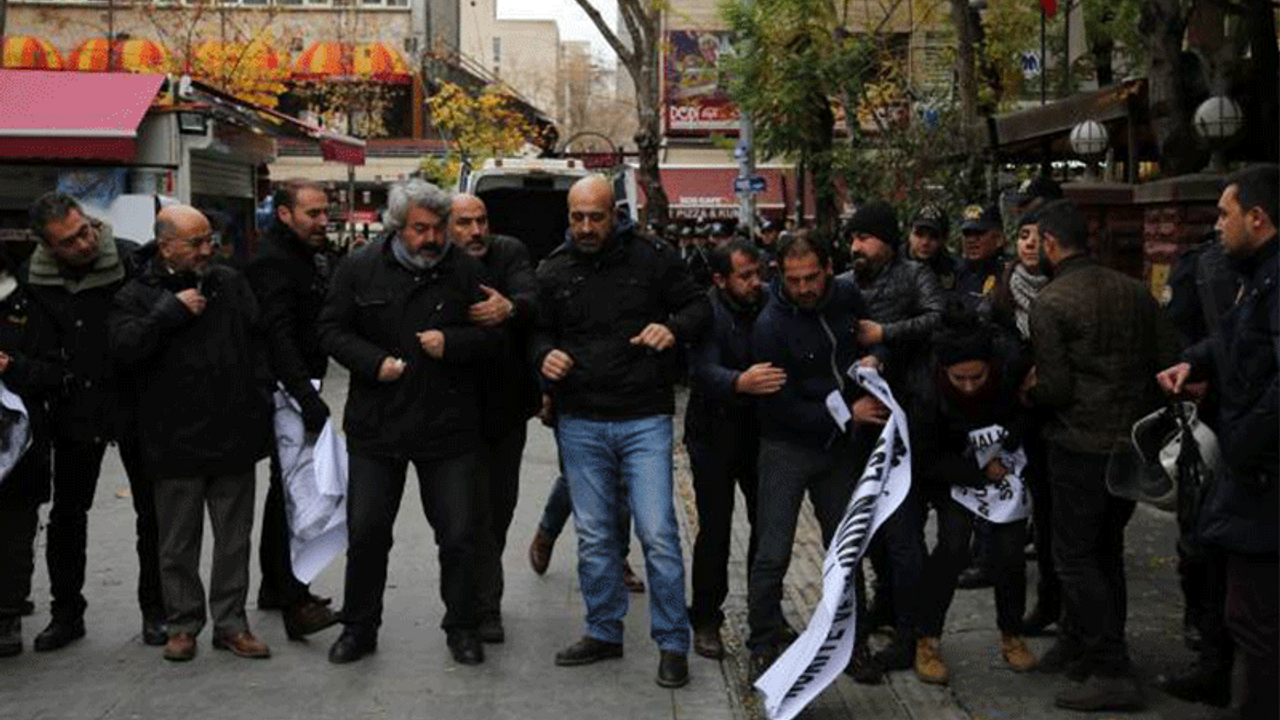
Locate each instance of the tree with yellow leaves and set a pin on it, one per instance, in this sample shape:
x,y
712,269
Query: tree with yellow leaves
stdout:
x,y
477,126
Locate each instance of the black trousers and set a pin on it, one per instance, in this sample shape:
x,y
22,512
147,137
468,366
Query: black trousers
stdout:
x,y
497,507
21,495
274,557
1049,587
1253,591
726,458
76,465
147,530
1202,572
451,493
1088,549
950,557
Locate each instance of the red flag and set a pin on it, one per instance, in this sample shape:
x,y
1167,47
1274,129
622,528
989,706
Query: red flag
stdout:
x,y
1049,7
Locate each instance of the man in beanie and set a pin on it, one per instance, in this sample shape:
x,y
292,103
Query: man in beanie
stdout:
x,y
1099,339
928,245
904,305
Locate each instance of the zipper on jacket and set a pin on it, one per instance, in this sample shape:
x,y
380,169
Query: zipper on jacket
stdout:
x,y
834,345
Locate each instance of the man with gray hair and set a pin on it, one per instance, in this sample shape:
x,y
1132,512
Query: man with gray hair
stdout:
x,y
398,318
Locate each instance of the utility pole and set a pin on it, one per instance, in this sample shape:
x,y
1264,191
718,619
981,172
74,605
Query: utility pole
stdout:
x,y
746,155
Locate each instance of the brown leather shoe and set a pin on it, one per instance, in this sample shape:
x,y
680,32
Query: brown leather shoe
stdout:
x,y
630,579
540,551
307,617
243,644
180,647
706,642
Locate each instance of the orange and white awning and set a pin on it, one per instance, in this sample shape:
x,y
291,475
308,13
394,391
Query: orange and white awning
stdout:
x,y
344,61
132,55
23,52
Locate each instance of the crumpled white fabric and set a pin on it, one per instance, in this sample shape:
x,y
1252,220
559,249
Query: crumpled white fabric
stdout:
x,y
315,483
16,428
999,502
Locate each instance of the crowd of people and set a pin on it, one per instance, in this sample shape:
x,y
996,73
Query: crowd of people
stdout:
x,y
1020,376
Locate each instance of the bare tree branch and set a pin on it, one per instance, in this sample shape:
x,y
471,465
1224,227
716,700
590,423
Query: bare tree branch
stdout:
x,y
626,56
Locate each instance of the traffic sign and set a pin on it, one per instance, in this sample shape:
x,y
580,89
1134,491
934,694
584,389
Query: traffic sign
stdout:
x,y
753,184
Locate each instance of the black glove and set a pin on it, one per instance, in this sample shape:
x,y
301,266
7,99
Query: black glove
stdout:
x,y
314,414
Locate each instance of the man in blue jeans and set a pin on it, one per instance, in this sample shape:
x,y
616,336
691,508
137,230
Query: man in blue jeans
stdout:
x,y
611,307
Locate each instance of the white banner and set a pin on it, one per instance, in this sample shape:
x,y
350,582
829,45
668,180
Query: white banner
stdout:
x,y
998,502
822,651
15,426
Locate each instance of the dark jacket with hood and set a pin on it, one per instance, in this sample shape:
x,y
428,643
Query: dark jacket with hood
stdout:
x,y
591,305
375,310
202,381
815,348
510,390
1242,510
290,280
715,362
88,406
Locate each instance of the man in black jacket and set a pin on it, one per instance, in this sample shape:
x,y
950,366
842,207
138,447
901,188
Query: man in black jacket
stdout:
x,y
290,277
510,394
721,431
72,276
928,245
189,329
1240,513
398,318
982,246
808,329
611,307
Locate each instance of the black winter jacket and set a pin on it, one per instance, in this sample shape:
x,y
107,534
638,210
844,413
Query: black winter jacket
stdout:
x,y
290,281
1242,511
591,305
35,373
977,282
202,384
816,349
88,407
905,300
375,310
510,391
715,363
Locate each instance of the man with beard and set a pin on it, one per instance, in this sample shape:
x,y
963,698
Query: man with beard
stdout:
x,y
721,430
190,331
1240,513
1099,339
808,329
510,394
982,246
290,277
611,307
905,306
398,317
928,245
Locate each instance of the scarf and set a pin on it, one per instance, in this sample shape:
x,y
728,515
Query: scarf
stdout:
x,y
1024,287
414,263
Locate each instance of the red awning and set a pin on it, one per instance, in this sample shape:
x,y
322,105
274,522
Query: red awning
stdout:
x,y
707,192
72,115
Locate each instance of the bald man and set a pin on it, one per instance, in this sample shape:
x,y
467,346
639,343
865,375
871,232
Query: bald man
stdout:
x,y
509,395
189,331
612,305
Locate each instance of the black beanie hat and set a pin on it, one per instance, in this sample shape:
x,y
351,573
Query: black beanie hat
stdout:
x,y
876,218
961,337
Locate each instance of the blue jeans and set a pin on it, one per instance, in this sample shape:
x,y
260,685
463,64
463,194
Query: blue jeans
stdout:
x,y
603,461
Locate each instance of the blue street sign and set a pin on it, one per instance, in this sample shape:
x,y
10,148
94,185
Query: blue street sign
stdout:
x,y
753,184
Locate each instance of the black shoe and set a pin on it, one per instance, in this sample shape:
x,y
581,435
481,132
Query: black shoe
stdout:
x,y
707,643
352,645
588,650
466,647
491,631
308,617
10,636
899,655
862,668
1040,618
59,634
1116,694
973,578
154,633
1199,684
673,669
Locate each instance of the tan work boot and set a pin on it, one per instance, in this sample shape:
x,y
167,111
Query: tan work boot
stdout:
x,y
929,665
1017,654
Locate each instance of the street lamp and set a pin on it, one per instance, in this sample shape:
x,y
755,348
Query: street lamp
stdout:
x,y
1089,140
1217,121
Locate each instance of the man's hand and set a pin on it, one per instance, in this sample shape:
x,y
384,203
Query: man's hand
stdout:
x,y
870,333
1174,380
432,342
391,370
556,365
493,310
760,379
995,470
656,336
194,301
867,410
870,362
